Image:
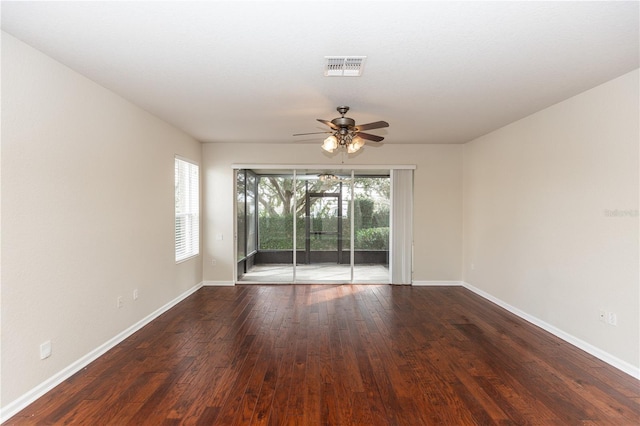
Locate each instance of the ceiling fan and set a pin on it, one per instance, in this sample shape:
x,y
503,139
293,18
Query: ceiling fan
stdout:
x,y
345,133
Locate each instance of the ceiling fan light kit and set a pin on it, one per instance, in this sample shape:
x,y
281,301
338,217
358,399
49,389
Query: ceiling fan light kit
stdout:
x,y
328,177
346,134
355,145
330,143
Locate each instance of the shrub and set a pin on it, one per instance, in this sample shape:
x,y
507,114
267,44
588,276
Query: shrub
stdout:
x,y
380,218
372,239
364,212
275,233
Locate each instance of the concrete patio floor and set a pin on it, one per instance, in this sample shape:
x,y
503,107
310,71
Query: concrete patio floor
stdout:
x,y
330,273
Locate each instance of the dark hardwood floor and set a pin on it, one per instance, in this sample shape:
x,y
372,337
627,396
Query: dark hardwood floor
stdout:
x,y
340,355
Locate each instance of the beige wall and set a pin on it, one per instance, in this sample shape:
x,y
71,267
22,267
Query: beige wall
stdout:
x,y
87,216
536,226
437,198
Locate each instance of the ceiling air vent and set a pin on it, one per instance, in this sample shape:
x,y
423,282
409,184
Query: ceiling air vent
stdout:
x,y
343,66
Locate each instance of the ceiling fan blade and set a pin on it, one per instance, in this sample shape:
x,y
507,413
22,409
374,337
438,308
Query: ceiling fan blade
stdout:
x,y
374,125
369,137
328,123
312,133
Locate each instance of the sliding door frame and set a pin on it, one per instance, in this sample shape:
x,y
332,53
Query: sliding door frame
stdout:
x,y
294,168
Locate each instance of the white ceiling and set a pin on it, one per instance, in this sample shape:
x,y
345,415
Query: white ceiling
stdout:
x,y
237,71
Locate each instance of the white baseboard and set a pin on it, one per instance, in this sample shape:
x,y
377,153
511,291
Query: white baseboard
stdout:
x,y
436,283
22,402
621,365
218,283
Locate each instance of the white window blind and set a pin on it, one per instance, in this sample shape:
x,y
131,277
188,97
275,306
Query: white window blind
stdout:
x,y
187,209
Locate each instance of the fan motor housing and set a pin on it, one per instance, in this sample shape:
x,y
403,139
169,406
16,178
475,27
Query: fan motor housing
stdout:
x,y
344,122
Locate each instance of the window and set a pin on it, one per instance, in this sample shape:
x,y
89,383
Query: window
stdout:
x,y
187,209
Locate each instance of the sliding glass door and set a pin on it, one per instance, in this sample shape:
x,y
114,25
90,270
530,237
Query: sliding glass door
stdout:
x,y
313,226
276,207
372,198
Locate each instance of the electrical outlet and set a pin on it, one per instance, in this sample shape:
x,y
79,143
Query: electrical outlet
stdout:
x,y
135,294
45,349
612,318
119,302
602,315
213,262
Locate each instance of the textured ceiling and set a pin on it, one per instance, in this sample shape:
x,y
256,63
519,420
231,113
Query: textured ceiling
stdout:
x,y
438,72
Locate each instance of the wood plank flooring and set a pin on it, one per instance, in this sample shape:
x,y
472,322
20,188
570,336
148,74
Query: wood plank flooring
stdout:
x,y
340,355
